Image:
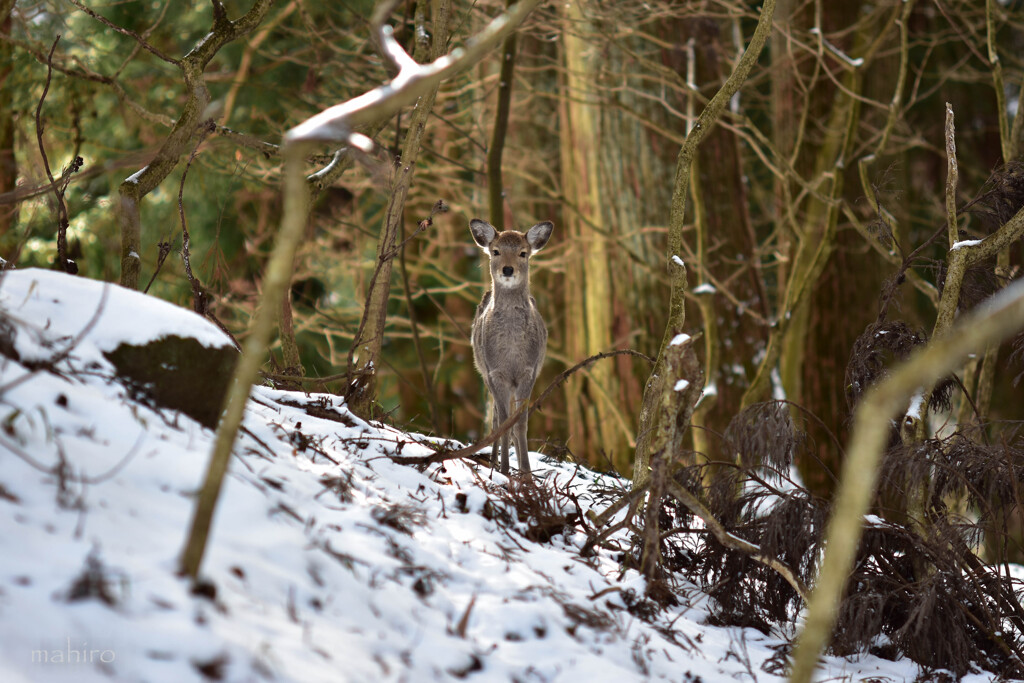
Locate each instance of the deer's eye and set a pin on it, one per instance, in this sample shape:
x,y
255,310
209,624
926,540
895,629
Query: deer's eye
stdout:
x,y
496,252
522,254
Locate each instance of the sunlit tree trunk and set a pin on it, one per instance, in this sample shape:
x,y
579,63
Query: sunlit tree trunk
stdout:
x,y
593,425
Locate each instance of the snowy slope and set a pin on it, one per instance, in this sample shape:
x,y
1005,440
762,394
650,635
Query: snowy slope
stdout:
x,y
329,561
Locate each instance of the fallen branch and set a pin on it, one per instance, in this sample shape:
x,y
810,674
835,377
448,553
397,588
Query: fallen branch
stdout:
x,y
727,539
527,409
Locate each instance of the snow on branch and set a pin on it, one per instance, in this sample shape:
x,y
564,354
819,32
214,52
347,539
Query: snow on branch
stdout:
x,y
852,62
338,123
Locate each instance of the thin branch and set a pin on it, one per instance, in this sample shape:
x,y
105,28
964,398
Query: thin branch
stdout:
x,y
428,385
1006,144
952,230
526,408
50,363
339,123
164,248
495,187
200,299
58,188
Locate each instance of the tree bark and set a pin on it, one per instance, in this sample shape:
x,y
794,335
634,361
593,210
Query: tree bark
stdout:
x,y
593,425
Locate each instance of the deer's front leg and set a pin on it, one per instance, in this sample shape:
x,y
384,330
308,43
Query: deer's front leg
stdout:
x,y
501,394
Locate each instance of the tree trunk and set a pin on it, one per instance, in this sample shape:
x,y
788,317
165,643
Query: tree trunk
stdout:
x,y
595,431
8,163
366,347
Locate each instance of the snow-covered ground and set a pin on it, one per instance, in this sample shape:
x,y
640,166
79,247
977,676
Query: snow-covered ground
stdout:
x,y
328,560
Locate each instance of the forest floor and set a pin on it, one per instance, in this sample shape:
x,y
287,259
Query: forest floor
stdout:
x,y
329,560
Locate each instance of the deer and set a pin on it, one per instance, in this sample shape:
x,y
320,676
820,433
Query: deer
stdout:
x,y
509,337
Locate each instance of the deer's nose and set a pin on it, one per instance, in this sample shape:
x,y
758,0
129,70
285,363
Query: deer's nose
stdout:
x,y
507,271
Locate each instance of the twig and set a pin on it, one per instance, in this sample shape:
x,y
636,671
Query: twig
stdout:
x,y
61,355
599,520
723,536
200,299
527,409
58,189
21,194
428,385
460,628
164,250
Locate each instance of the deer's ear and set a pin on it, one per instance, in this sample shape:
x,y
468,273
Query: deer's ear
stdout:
x,y
539,235
483,232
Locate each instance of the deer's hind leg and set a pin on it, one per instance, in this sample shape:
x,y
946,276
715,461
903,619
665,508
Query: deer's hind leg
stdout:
x,y
519,431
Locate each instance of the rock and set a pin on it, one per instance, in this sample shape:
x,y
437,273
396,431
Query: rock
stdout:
x,y
178,373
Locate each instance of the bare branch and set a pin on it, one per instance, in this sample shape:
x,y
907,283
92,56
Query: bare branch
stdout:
x,y
58,188
200,299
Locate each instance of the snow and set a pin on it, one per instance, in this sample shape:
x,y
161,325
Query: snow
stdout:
x,y
330,561
914,409
681,385
134,177
704,288
333,123
964,243
851,61
679,339
57,308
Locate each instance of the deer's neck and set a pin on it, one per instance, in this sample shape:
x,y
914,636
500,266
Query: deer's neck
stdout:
x,y
510,297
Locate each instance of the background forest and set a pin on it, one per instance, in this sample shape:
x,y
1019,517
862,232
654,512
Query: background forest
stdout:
x,y
825,173
861,188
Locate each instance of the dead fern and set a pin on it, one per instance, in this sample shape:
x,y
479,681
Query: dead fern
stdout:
x,y
541,507
879,346
918,588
